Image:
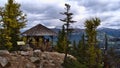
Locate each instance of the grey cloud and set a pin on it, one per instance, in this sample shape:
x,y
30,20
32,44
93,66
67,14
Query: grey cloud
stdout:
x,y
98,6
49,14
32,8
106,18
53,12
115,24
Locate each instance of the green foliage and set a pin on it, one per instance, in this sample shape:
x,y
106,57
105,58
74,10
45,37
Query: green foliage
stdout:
x,y
74,45
87,52
24,39
61,43
73,49
80,52
82,48
93,52
13,20
5,39
91,56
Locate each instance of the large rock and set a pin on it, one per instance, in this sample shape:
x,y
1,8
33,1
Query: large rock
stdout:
x,y
3,61
37,53
21,62
26,53
34,59
4,52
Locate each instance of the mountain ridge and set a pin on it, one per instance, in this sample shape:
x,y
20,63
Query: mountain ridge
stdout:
x,y
108,31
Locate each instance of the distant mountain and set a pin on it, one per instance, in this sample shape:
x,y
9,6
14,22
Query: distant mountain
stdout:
x,y
77,33
112,32
108,31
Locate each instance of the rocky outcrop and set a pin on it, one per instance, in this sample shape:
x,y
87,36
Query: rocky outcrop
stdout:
x,y
31,59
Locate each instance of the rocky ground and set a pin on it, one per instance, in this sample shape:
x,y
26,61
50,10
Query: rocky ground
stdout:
x,y
31,59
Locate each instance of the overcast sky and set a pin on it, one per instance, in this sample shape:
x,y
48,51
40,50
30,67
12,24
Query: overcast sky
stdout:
x,y
47,12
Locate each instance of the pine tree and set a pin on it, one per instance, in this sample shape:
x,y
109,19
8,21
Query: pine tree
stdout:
x,y
82,42
4,32
73,49
93,52
74,45
67,21
105,53
81,50
13,20
61,43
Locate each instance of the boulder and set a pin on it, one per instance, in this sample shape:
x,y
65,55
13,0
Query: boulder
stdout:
x,y
34,59
3,61
37,53
4,52
26,53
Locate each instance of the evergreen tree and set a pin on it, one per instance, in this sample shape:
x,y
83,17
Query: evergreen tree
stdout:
x,y
111,57
4,32
67,21
13,20
81,50
93,52
73,49
105,53
74,45
61,43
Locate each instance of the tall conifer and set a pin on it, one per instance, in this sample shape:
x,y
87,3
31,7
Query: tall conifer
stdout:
x,y
67,21
93,52
13,20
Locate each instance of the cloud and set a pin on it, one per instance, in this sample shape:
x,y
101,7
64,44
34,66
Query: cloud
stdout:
x,y
47,12
2,2
43,10
107,10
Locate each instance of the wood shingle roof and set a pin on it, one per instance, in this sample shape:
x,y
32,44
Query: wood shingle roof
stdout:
x,y
39,30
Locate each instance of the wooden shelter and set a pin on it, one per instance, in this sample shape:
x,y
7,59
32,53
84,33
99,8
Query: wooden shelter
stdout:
x,y
38,32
